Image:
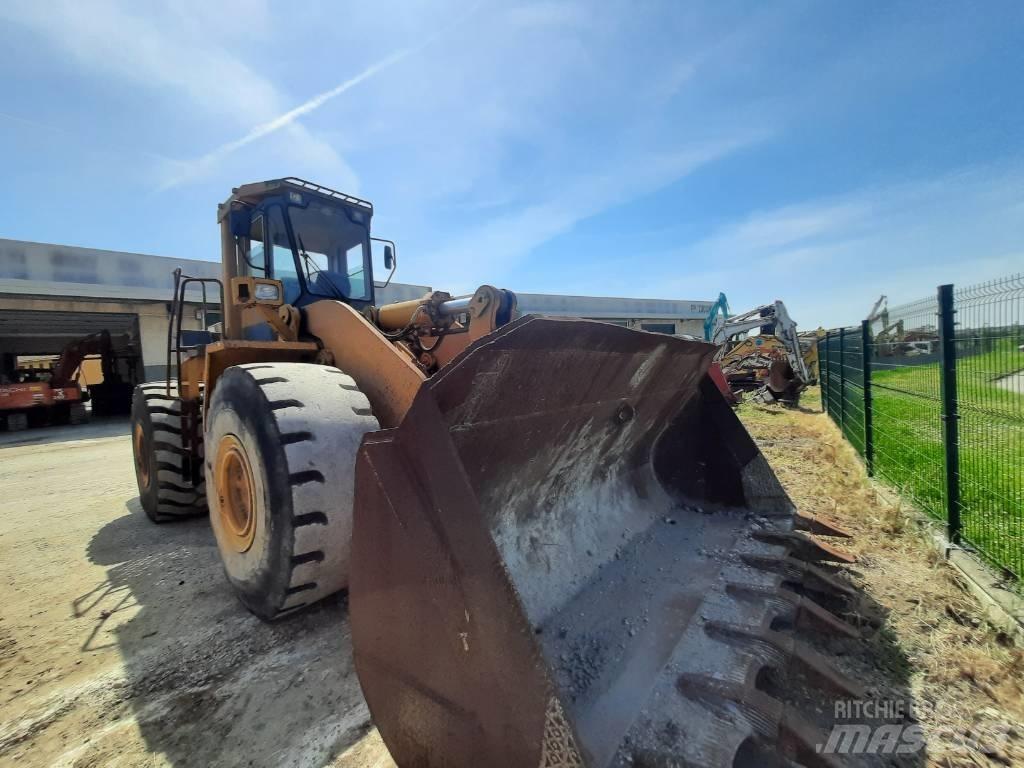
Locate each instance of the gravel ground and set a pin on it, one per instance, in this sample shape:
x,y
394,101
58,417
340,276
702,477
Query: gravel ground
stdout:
x,y
122,645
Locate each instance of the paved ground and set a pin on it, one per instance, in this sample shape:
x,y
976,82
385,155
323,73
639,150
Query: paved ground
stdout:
x,y
121,644
1014,382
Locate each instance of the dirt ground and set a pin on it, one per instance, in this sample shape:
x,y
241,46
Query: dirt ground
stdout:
x,y
121,644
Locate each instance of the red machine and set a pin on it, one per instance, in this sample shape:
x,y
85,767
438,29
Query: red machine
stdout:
x,y
59,399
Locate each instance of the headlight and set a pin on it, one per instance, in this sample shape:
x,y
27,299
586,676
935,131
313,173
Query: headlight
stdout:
x,y
267,292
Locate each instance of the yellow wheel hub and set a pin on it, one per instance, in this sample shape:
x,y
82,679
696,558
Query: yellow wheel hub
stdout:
x,y
142,461
236,494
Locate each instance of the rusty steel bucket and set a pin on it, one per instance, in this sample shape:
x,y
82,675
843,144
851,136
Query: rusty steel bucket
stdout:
x,y
571,553
783,382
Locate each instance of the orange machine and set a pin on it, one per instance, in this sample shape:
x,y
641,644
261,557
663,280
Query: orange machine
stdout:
x,y
561,547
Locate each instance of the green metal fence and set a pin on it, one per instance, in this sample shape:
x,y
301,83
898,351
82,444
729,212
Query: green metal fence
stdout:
x,y
931,395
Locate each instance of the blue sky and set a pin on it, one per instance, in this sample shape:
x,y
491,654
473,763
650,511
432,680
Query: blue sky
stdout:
x,y
821,152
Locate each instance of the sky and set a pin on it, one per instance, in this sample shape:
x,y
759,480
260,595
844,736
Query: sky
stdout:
x,y
821,153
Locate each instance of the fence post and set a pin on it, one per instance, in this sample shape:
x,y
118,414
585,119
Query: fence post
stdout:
x,y
823,373
842,381
950,418
869,427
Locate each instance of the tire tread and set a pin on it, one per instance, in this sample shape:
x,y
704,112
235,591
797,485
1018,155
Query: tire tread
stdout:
x,y
177,499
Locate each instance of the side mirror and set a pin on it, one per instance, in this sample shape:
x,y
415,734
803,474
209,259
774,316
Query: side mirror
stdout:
x,y
389,257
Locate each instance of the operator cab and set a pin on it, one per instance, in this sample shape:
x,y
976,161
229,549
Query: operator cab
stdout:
x,y
314,240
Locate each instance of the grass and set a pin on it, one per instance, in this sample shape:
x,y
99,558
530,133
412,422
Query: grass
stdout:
x,y
909,451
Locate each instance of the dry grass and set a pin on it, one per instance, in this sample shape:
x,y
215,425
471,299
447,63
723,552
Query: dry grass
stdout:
x,y
925,635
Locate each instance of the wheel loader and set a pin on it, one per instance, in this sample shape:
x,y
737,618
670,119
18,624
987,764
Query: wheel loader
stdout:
x,y
560,546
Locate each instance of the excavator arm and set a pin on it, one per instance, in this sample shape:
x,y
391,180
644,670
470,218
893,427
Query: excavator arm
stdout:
x,y
774,316
73,354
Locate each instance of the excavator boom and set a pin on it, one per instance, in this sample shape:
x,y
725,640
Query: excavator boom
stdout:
x,y
73,354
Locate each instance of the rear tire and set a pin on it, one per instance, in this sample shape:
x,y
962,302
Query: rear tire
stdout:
x,y
16,422
164,493
282,441
77,414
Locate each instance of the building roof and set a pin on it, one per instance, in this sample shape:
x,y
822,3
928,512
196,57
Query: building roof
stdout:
x,y
610,307
47,269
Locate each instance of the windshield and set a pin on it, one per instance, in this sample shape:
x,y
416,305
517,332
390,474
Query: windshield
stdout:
x,y
333,251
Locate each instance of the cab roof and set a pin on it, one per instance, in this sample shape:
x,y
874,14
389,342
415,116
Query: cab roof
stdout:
x,y
251,194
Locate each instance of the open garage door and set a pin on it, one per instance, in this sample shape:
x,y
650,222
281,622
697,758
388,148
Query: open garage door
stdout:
x,y
25,334
41,332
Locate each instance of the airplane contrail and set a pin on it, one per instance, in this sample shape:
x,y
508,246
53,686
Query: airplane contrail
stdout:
x,y
283,120
316,102
289,117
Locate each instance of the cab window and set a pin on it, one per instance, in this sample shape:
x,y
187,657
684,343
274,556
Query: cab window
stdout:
x,y
254,259
282,260
333,251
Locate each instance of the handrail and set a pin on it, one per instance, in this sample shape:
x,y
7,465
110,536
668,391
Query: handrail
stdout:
x,y
174,345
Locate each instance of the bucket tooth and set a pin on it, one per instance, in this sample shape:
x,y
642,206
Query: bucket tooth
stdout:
x,y
821,525
810,615
806,575
783,730
775,645
806,740
801,611
806,547
761,711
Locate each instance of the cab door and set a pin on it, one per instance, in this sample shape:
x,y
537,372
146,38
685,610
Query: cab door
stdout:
x,y
268,253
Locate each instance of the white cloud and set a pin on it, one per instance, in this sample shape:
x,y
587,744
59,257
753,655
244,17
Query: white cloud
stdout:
x,y
829,259
176,53
528,120
160,49
787,227
492,249
286,119
531,117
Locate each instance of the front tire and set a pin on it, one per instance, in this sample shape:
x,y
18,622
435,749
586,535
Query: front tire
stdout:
x,y
77,414
281,448
16,422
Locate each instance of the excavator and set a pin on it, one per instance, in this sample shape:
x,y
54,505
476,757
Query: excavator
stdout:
x,y
58,398
559,544
773,361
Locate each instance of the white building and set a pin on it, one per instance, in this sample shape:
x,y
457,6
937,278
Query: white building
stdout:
x,y
53,294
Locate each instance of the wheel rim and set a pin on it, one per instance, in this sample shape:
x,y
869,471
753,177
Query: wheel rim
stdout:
x,y
236,494
141,455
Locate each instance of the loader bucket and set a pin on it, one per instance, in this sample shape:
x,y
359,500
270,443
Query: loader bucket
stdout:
x,y
570,553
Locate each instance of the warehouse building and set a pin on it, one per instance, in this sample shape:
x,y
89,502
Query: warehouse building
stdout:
x,y
51,295
678,317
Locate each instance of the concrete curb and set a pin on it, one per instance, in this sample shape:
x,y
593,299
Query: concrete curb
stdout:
x,y
1003,608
